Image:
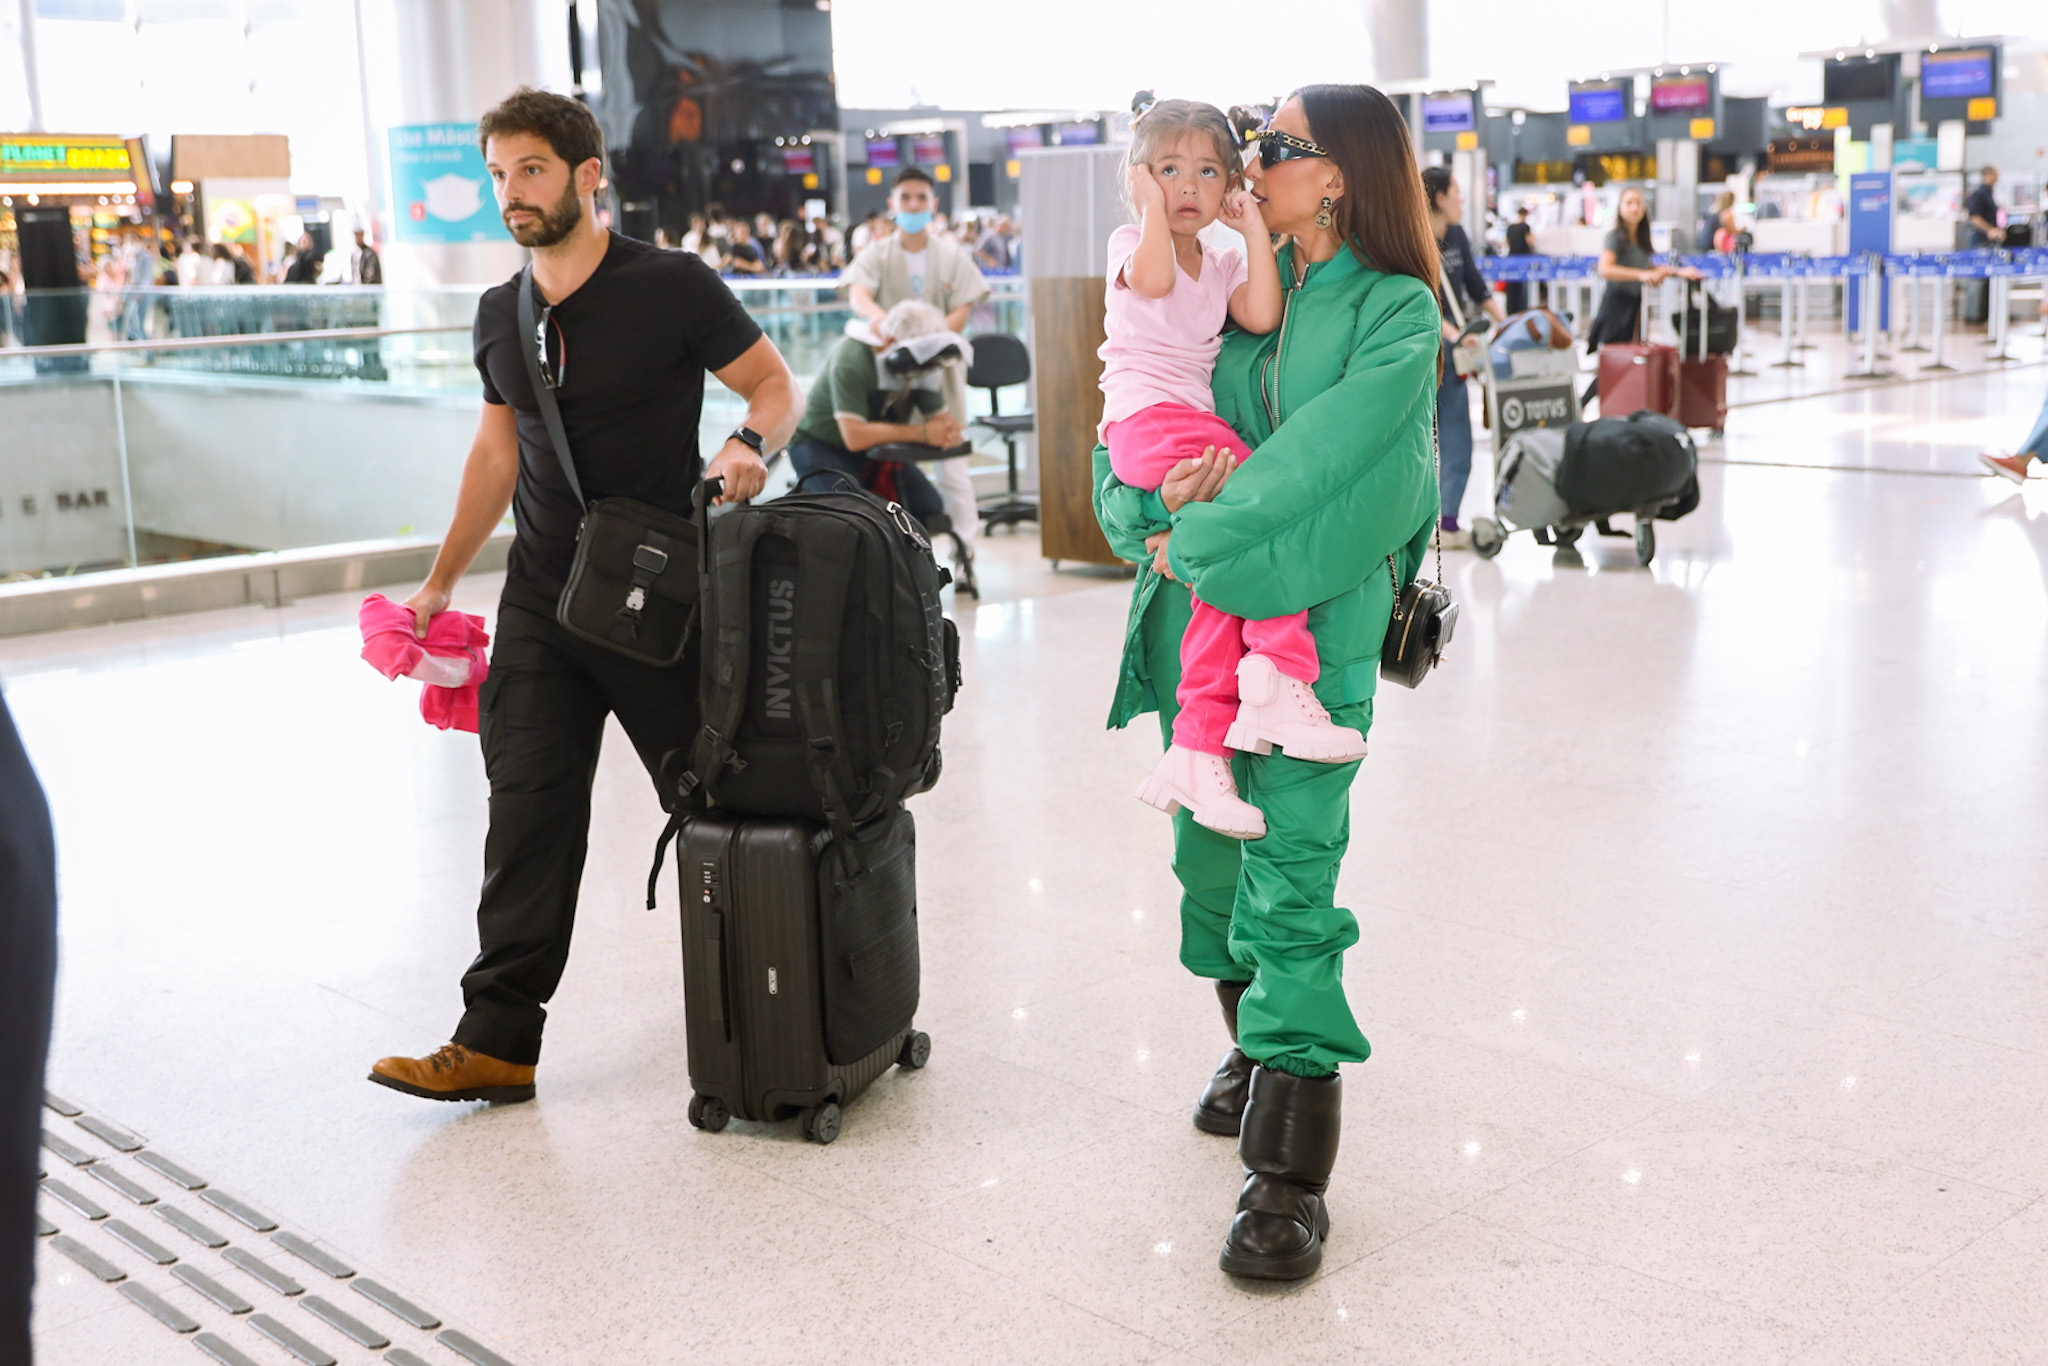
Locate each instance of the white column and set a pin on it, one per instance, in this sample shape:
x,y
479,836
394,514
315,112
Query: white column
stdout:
x,y
29,67
454,60
1400,39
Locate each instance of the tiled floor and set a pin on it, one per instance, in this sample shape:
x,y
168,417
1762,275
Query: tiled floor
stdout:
x,y
1705,955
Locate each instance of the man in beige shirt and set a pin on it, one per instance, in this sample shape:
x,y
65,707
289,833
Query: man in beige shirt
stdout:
x,y
915,263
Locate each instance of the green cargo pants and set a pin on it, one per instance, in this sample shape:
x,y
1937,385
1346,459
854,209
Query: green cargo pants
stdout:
x,y
1266,909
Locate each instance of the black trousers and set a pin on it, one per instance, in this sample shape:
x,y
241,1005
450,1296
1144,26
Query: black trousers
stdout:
x,y
28,973
542,713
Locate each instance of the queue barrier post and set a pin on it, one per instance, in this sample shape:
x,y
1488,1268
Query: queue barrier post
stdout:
x,y
1736,367
1944,299
1999,269
1911,280
1868,265
1791,360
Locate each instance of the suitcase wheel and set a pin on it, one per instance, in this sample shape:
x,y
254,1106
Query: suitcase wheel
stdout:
x,y
1646,542
708,1112
917,1050
1486,537
821,1122
1567,536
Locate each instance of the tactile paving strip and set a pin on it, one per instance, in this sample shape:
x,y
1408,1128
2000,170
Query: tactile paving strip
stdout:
x,y
69,1151
211,1288
394,1302
128,1186
225,1353
87,1258
465,1345
57,1190
310,1353
163,1166
142,1242
113,1137
345,1323
161,1309
190,1227
263,1271
369,1334
313,1256
234,1208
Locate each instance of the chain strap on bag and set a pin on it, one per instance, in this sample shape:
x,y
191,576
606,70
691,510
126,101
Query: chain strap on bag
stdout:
x,y
1425,613
632,587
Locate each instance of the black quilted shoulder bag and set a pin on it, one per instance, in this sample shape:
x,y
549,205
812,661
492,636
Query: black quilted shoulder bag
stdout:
x,y
632,588
1425,613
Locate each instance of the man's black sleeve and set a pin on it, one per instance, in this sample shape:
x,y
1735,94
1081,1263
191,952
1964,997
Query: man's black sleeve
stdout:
x,y
479,342
717,328
28,969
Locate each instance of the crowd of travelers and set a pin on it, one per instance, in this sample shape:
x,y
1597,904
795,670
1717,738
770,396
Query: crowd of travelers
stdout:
x,y
764,246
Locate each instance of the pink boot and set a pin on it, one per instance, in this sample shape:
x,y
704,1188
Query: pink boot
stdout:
x,y
1274,709
1202,783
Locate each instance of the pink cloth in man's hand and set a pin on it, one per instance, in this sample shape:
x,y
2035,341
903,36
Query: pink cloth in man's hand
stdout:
x,y
393,649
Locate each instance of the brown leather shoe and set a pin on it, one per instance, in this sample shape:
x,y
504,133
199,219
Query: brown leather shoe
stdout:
x,y
453,1072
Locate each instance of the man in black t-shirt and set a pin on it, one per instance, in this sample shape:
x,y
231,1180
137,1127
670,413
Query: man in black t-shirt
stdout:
x,y
1981,211
630,330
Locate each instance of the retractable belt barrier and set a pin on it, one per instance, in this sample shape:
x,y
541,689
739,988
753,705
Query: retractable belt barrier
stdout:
x,y
1997,266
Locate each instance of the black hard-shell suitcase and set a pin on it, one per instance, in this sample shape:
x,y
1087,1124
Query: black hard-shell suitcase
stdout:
x,y
799,982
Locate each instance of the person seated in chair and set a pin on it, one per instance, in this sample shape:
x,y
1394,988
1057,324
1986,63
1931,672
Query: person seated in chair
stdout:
x,y
857,405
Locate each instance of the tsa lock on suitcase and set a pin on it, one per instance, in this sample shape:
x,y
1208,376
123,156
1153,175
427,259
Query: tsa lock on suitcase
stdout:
x,y
799,982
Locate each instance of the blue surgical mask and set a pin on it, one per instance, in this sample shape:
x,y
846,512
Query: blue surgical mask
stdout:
x,y
914,222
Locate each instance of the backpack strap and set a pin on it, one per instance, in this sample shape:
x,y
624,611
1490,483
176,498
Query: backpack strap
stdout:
x,y
726,595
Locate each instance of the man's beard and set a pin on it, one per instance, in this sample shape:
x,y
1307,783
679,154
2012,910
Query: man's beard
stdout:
x,y
553,224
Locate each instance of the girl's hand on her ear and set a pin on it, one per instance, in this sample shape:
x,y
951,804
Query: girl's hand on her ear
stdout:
x,y
1241,213
1147,194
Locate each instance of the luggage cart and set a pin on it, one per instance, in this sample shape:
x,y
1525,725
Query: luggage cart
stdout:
x,y
1539,393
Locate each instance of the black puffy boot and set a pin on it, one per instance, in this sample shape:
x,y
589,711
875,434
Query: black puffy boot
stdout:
x,y
1221,1107
1288,1147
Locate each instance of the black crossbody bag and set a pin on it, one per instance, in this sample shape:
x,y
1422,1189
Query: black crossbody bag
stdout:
x,y
632,588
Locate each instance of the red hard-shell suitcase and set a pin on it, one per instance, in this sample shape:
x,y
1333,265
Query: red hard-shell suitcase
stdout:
x,y
1703,392
1634,376
1702,376
799,982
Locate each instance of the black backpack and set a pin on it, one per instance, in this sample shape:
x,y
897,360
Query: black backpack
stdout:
x,y
827,662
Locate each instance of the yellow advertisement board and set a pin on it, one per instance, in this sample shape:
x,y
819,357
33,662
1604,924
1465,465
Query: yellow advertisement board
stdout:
x,y
55,158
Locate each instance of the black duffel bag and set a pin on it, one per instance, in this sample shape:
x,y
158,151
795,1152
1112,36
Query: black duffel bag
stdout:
x,y
1640,463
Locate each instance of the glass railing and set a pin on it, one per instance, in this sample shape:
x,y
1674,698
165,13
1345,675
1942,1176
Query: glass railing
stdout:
x,y
253,419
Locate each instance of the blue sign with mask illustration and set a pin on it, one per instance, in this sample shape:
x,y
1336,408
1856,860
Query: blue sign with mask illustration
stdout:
x,y
440,191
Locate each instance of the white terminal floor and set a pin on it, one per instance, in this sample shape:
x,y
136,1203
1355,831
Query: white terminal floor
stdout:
x,y
1704,953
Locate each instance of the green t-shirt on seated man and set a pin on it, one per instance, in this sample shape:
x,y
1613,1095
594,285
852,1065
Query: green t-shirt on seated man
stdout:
x,y
851,384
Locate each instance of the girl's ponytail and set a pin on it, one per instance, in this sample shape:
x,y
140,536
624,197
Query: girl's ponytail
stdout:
x,y
1141,105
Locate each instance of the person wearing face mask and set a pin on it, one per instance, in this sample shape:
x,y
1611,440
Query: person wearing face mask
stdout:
x,y
914,262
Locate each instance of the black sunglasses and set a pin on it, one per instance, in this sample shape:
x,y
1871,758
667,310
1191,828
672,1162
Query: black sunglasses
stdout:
x,y
1276,147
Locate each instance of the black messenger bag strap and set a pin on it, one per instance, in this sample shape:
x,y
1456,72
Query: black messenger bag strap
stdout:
x,y
533,345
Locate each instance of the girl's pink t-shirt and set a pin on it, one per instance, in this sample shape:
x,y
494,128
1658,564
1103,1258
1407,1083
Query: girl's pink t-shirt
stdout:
x,y
1164,350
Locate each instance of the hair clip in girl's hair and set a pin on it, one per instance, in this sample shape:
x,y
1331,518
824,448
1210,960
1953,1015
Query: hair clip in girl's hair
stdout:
x,y
1141,104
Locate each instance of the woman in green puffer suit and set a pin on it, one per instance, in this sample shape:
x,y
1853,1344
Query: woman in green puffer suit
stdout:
x,y
1339,404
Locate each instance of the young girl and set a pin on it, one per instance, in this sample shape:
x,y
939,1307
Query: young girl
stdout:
x,y
1244,684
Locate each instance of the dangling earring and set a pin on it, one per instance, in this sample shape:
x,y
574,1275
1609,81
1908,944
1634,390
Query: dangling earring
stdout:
x,y
1323,218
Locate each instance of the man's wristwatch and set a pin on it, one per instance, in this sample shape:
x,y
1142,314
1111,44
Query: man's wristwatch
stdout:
x,y
751,438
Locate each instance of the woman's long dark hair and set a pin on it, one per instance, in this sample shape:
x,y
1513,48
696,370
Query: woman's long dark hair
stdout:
x,y
1640,233
1382,215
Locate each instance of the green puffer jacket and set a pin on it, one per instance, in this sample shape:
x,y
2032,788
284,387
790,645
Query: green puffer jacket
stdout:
x,y
1339,404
